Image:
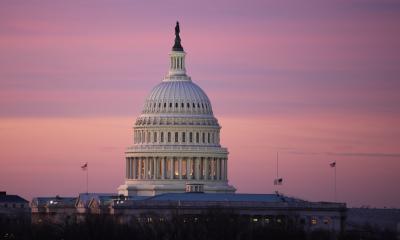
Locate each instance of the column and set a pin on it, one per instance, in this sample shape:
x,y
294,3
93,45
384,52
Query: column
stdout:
x,y
212,168
163,168
218,168
134,168
205,168
140,168
197,168
171,162
188,169
154,168
180,168
130,168
222,169
127,168
226,168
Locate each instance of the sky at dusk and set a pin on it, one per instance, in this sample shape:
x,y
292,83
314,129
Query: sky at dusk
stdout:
x,y
316,81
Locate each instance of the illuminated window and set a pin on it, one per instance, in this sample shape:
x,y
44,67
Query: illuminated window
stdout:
x,y
314,221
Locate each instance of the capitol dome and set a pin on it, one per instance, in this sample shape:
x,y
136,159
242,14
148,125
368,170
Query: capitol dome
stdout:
x,y
176,144
177,96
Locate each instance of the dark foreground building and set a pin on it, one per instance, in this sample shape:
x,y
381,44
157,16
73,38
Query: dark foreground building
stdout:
x,y
14,209
258,208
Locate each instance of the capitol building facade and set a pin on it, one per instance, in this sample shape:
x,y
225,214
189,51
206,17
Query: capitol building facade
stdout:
x,y
176,144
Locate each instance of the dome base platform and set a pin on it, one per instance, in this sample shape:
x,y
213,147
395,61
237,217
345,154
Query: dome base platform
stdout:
x,y
152,188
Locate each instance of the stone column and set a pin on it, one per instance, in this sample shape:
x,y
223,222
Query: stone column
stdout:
x,y
171,162
205,168
130,168
197,168
162,168
127,168
146,167
155,168
188,168
140,168
134,167
180,168
222,169
218,168
212,168
226,168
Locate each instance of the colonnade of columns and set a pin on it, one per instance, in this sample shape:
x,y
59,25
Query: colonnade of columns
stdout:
x,y
188,168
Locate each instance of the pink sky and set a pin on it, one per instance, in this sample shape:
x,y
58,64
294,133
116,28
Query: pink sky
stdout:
x,y
316,81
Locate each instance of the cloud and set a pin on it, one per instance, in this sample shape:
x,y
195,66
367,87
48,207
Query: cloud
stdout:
x,y
348,154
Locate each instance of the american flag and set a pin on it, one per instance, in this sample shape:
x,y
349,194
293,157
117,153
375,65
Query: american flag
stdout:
x,y
84,166
278,181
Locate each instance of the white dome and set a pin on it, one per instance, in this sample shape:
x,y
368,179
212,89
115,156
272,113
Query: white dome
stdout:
x,y
177,97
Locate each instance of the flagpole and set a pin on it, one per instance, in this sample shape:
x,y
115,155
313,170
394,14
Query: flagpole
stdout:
x,y
335,183
277,165
87,179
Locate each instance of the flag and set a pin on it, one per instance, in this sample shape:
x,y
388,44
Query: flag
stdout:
x,y
278,181
332,164
84,166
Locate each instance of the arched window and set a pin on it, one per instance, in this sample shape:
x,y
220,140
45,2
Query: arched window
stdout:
x,y
190,137
182,105
194,105
197,137
170,104
188,105
148,137
204,137
162,137
155,137
169,137
208,137
176,105
176,136
183,137
165,105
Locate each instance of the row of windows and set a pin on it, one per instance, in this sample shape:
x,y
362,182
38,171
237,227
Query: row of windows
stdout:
x,y
179,106
13,205
141,136
174,121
